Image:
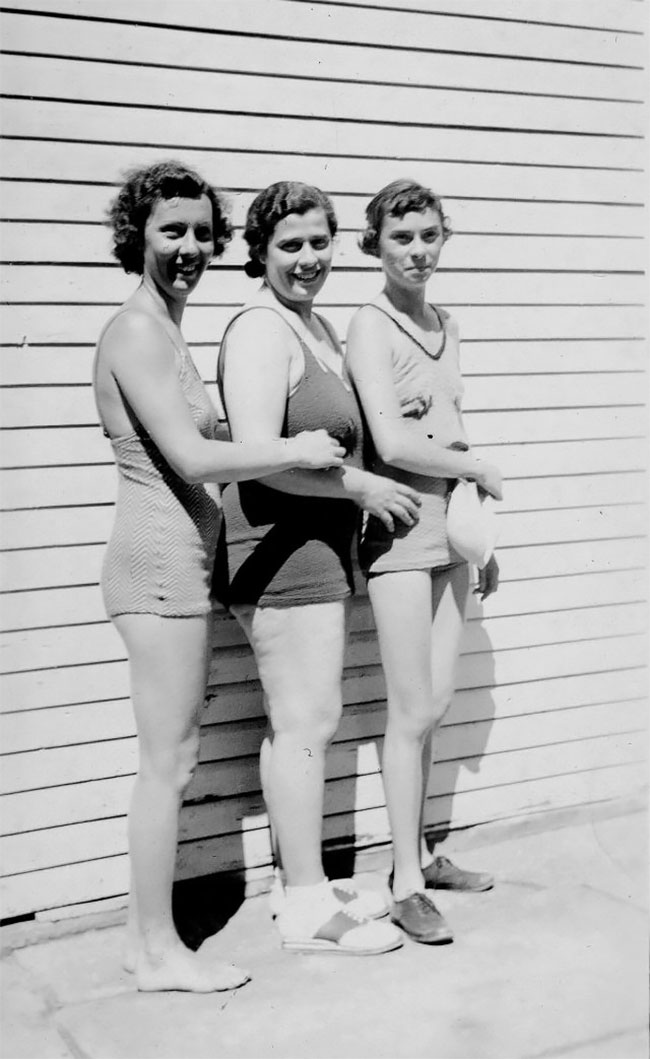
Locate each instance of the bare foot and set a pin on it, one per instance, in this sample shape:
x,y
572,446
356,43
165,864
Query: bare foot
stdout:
x,y
181,969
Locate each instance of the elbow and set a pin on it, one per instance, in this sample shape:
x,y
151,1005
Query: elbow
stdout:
x,y
190,470
389,452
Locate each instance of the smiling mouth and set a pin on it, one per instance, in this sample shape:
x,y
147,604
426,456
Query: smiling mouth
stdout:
x,y
307,277
187,270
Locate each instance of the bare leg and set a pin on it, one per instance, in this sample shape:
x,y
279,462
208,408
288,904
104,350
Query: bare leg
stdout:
x,y
299,653
401,604
449,590
168,659
419,620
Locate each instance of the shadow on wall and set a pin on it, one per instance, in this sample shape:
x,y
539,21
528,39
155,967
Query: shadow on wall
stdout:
x,y
224,827
455,786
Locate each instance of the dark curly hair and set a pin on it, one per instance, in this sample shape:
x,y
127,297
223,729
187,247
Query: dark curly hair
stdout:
x,y
396,199
270,207
142,188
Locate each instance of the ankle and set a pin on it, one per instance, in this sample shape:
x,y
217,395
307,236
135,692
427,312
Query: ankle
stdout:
x,y
406,884
298,895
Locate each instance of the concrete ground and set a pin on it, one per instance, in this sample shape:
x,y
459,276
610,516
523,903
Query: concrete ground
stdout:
x,y
551,963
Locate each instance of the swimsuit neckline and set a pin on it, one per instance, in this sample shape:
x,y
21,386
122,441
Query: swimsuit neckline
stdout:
x,y
382,303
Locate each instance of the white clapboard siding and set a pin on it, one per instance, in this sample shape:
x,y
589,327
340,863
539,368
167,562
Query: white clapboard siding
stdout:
x,y
75,285
78,202
530,125
64,364
91,162
413,29
51,446
51,324
308,59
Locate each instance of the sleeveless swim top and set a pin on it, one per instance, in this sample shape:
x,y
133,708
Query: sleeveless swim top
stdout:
x,y
161,552
434,376
286,550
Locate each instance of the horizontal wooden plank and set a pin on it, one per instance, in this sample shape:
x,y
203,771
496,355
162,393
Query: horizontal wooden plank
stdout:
x,y
97,483
608,15
81,564
104,284
23,571
577,734
91,244
66,406
29,200
107,877
60,364
343,795
93,722
95,161
99,682
345,100
80,842
45,527
56,324
66,766
69,446
307,59
80,645
81,605
413,29
61,806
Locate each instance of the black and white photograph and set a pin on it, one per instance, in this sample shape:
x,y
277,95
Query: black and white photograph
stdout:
x,y
324,531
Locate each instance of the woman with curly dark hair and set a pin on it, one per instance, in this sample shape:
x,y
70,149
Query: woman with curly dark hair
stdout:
x,y
403,356
289,542
168,223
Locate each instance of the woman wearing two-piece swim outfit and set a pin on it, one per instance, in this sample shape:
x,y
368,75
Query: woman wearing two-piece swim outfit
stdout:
x,y
402,354
289,551
167,225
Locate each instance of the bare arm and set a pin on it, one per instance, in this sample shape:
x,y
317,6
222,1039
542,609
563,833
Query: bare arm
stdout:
x,y
257,377
401,442
141,359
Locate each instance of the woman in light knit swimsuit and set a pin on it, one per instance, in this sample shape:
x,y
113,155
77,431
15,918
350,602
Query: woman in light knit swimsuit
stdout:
x,y
402,354
167,224
289,543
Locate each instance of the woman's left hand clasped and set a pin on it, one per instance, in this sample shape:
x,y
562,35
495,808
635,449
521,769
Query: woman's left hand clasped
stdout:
x,y
387,500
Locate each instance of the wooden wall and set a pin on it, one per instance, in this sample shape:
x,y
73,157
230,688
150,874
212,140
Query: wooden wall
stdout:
x,y
527,118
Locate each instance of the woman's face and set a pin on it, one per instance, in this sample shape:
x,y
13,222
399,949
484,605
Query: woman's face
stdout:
x,y
299,256
410,246
178,243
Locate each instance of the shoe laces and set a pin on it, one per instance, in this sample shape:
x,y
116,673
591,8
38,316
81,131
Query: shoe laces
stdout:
x,y
423,901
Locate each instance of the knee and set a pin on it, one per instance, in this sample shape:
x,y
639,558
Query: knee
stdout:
x,y
172,766
440,703
313,722
327,722
413,720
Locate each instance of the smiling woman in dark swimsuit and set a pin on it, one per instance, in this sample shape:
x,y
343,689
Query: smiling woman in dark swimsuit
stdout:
x,y
289,543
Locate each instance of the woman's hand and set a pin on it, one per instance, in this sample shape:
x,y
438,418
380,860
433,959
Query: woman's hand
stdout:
x,y
388,500
315,450
488,477
488,579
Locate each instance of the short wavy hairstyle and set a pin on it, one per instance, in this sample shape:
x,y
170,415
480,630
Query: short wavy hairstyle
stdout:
x,y
395,200
142,189
271,206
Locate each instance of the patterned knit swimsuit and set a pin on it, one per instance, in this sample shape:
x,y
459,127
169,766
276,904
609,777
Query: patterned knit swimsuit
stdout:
x,y
161,552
